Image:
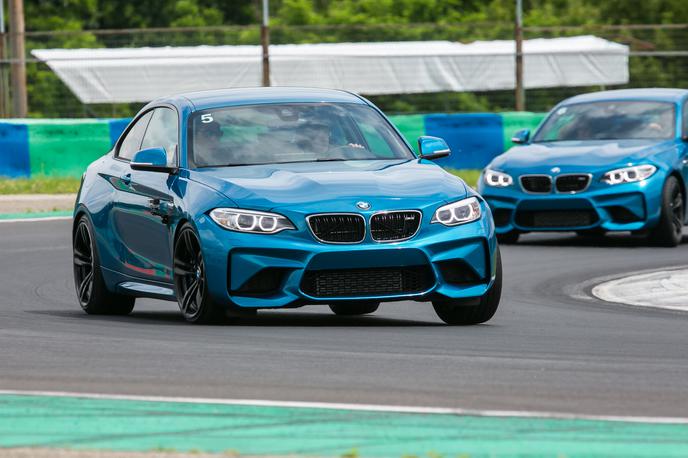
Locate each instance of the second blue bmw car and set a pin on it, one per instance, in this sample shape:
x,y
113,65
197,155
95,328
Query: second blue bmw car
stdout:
x,y
606,161
236,200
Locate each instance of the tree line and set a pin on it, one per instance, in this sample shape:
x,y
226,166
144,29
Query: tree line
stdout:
x,y
308,21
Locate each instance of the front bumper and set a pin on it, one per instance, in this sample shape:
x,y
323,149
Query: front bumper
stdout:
x,y
268,271
624,207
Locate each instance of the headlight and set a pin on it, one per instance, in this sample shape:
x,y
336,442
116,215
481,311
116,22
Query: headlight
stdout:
x,y
463,211
499,179
629,174
250,221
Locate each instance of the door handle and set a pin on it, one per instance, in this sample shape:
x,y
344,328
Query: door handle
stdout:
x,y
126,179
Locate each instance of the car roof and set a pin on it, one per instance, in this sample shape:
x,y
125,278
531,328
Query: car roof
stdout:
x,y
653,94
202,100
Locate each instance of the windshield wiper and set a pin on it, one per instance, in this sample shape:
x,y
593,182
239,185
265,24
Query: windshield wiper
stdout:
x,y
332,160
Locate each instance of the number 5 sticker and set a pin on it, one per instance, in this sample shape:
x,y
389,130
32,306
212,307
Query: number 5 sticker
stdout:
x,y
206,118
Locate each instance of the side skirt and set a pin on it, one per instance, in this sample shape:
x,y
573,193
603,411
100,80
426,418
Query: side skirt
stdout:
x,y
137,289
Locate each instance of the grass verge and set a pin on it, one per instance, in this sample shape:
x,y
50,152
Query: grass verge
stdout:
x,y
470,176
39,185
62,185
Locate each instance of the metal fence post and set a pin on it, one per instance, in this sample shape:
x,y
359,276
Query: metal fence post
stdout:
x,y
18,65
518,32
4,89
265,43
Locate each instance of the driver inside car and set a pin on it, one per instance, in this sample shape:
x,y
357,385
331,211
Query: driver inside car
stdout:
x,y
315,139
207,138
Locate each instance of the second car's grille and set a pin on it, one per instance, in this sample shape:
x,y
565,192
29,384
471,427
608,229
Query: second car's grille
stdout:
x,y
338,228
367,282
392,226
539,184
572,183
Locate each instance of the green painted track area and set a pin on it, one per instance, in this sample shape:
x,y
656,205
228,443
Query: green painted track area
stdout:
x,y
82,423
31,215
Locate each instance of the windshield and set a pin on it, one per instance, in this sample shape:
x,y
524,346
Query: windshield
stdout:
x,y
612,120
294,132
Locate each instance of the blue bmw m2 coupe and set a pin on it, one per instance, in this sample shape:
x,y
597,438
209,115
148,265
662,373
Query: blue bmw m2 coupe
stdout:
x,y
605,161
236,200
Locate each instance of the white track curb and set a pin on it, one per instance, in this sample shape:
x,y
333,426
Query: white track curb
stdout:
x,y
666,289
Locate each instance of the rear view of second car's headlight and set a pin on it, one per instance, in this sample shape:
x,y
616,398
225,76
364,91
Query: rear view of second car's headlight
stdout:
x,y
461,212
629,174
250,221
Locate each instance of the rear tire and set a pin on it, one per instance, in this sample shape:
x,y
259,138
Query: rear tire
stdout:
x,y
354,308
190,282
458,313
91,291
669,231
508,238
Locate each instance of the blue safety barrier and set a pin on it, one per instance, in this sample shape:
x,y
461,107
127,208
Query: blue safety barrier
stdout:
x,y
474,138
14,150
117,126
32,146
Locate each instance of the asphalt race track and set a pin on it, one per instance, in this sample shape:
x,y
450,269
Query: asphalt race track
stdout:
x,y
543,351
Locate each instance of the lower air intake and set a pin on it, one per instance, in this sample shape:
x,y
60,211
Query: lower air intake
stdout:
x,y
367,282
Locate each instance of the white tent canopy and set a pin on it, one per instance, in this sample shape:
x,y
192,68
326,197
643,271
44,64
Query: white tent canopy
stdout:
x,y
141,74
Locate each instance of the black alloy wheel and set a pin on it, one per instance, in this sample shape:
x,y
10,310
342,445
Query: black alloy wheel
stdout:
x,y
190,279
91,290
676,206
669,230
83,263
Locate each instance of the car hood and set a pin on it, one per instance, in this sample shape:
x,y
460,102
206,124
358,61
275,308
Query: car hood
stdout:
x,y
577,155
335,186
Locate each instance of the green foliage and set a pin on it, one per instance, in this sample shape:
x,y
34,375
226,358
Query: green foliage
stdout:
x,y
312,21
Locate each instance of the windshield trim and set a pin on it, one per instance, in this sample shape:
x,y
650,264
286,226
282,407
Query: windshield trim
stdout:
x,y
394,132
564,104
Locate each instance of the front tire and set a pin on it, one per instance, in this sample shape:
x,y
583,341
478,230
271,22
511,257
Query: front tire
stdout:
x,y
457,313
190,280
669,231
354,308
91,291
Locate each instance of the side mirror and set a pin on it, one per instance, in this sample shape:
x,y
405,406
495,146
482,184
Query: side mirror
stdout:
x,y
432,148
151,160
521,137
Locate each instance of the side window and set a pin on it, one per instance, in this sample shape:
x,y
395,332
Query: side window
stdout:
x,y
163,132
132,142
685,119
